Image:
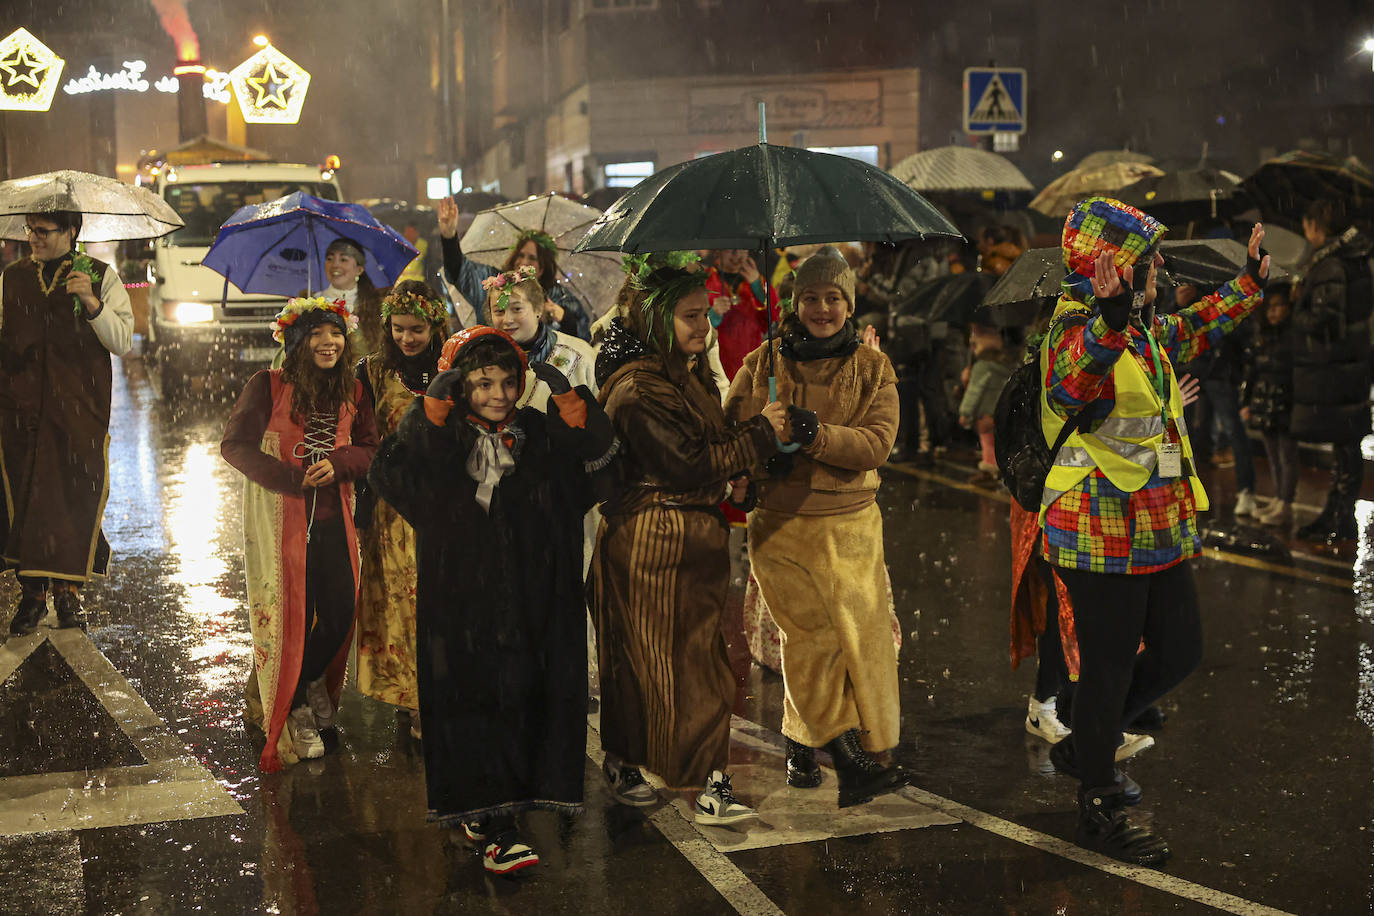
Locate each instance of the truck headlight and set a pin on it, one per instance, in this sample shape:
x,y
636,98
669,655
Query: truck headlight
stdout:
x,y
189,312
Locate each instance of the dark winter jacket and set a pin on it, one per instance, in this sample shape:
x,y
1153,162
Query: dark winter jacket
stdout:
x,y
1331,311
1268,389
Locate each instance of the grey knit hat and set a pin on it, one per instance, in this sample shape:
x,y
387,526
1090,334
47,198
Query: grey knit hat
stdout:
x,y
827,265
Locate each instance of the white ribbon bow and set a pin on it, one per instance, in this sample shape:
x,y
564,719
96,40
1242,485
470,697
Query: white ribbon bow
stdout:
x,y
488,462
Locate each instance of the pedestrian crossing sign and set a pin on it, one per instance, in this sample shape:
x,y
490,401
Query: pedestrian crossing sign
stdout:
x,y
994,100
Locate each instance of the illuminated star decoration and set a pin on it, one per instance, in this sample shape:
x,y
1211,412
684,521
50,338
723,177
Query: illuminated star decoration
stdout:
x,y
29,72
270,88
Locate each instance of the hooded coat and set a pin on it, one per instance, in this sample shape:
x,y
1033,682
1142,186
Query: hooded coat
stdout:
x,y
500,619
1331,313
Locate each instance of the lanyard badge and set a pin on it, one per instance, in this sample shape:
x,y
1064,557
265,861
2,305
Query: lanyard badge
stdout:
x,y
1169,451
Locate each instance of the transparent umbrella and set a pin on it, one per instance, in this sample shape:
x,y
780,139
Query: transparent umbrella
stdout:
x,y
111,210
960,168
595,276
1068,189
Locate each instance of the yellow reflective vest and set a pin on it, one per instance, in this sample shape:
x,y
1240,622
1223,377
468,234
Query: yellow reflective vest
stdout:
x,y
1123,446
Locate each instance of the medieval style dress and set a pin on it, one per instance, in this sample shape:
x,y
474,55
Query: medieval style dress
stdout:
x,y
816,537
55,383
661,566
291,535
501,623
386,587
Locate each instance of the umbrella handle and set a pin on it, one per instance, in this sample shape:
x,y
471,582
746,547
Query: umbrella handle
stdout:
x,y
786,448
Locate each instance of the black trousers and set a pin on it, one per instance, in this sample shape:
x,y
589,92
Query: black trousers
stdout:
x,y
1347,475
1112,614
1051,671
329,600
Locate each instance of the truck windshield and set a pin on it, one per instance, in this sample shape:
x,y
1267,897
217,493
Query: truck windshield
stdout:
x,y
205,207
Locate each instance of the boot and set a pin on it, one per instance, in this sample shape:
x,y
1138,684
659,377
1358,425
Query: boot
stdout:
x,y
1317,529
802,769
1065,760
1103,827
861,777
33,607
70,613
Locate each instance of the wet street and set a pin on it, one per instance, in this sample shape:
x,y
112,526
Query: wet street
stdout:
x,y
130,786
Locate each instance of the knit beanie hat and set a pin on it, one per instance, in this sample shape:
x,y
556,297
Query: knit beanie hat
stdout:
x,y
827,265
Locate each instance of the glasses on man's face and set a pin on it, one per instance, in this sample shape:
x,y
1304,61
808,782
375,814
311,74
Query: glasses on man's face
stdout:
x,y
41,233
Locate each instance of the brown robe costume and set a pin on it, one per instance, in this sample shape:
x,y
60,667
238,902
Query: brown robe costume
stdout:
x,y
661,568
55,381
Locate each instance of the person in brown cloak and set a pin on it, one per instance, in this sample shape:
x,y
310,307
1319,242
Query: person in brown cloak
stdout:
x,y
62,314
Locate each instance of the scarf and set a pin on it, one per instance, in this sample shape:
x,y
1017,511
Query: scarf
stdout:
x,y
416,372
801,347
538,349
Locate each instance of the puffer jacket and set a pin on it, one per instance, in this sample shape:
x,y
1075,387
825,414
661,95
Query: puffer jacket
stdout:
x,y
1331,311
1269,376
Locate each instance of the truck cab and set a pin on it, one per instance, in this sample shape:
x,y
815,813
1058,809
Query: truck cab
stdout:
x,y
194,327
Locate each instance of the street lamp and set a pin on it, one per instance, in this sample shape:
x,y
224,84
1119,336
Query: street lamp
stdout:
x,y
1369,46
261,41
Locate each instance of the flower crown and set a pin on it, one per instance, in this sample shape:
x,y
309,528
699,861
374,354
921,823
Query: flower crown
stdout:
x,y
664,294
542,239
297,307
504,282
641,265
411,302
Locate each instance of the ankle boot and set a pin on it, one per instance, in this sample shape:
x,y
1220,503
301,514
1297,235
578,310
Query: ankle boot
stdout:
x,y
1064,756
1319,527
802,770
33,607
1103,827
860,776
70,613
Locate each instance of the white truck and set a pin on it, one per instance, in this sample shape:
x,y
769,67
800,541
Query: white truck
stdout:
x,y
190,331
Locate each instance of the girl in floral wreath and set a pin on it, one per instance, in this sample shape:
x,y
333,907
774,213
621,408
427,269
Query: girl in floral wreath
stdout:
x,y
661,568
563,311
514,304
301,435
413,316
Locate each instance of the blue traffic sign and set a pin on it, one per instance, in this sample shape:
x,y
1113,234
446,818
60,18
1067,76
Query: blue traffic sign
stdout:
x,y
994,100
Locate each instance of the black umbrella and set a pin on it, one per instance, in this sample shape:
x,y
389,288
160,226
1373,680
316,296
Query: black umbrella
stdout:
x,y
1284,187
764,196
761,197
1036,277
1201,194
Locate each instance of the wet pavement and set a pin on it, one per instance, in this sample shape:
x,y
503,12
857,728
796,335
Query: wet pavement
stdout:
x,y
1260,779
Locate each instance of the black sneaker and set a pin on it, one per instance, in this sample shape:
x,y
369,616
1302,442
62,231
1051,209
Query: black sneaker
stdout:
x,y
627,785
506,855
475,830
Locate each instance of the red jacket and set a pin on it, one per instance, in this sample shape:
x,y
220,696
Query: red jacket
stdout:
x,y
742,328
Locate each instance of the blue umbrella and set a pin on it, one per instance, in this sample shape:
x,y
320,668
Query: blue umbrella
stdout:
x,y
279,247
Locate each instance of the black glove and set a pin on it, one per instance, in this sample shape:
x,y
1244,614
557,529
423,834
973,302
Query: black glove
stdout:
x,y
780,465
557,381
1116,311
750,500
445,392
805,425
1252,269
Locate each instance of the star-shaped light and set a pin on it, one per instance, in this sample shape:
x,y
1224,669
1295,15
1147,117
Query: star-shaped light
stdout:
x,y
29,72
270,87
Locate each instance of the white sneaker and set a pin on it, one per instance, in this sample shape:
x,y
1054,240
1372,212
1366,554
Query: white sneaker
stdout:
x,y
1042,719
717,807
1132,744
1279,514
304,735
317,694
1245,503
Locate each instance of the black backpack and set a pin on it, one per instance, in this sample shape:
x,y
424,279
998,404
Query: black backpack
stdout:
x,y
1023,459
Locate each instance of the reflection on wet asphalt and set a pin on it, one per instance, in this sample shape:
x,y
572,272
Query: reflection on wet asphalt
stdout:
x,y
1260,778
